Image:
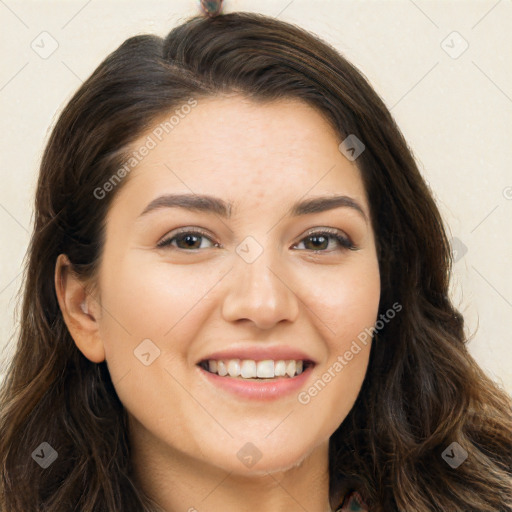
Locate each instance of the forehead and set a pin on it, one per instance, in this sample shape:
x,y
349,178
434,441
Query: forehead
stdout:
x,y
239,149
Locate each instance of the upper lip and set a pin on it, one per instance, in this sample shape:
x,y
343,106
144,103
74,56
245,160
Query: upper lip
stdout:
x,y
259,353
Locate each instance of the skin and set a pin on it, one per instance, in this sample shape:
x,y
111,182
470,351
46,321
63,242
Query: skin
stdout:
x,y
185,432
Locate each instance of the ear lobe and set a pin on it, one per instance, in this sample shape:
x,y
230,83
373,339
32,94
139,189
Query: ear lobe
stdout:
x,y
80,310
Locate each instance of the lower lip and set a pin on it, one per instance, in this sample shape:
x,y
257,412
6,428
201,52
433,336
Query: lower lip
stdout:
x,y
259,390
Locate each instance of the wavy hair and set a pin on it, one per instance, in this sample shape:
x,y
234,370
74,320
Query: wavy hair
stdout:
x,y
422,391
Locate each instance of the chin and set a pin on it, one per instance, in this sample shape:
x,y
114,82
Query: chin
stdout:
x,y
277,463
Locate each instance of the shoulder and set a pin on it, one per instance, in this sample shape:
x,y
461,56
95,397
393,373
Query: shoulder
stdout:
x,y
353,502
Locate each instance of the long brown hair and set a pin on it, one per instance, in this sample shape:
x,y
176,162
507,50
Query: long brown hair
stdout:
x,y
422,392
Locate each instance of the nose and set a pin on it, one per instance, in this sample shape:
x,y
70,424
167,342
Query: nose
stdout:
x,y
260,292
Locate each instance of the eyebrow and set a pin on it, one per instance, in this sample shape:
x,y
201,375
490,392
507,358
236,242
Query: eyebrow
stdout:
x,y
211,204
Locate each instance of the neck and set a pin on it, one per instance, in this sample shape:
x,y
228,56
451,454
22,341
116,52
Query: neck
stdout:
x,y
178,482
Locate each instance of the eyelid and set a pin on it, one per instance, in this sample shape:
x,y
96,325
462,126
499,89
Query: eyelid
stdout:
x,y
320,229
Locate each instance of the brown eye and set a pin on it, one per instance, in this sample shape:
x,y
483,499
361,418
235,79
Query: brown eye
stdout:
x,y
319,241
186,240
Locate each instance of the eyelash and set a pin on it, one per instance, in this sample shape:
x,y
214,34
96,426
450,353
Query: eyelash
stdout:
x,y
343,241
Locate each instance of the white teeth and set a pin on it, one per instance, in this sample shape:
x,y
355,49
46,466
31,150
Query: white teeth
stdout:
x,y
250,369
221,369
290,368
234,367
265,369
280,369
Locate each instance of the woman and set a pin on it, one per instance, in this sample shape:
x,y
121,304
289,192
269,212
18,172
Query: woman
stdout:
x,y
236,297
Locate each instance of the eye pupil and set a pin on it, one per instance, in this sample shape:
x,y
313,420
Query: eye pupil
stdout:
x,y
190,238
318,239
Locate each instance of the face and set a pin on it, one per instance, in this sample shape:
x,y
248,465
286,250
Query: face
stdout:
x,y
177,286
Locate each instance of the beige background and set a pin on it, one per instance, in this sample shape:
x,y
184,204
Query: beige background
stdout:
x,y
453,106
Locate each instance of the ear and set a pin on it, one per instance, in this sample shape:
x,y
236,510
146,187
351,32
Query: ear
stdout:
x,y
80,310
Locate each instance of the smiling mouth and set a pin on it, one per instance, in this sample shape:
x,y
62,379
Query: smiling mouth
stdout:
x,y
248,369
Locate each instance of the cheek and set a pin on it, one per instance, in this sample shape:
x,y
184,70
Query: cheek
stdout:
x,y
152,299
147,300
344,301
337,380
345,305
151,308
